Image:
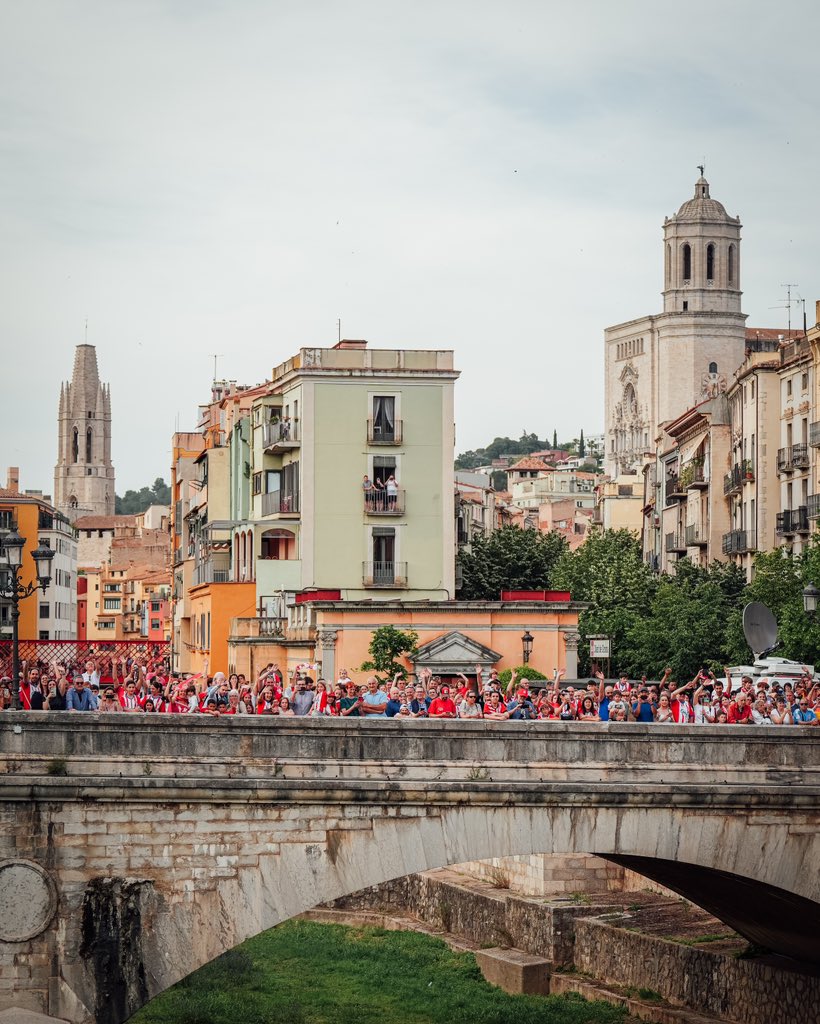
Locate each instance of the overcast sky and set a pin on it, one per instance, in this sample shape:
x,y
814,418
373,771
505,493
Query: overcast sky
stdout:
x,y
230,177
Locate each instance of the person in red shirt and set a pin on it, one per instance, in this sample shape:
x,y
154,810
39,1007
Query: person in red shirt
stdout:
x,y
442,706
740,711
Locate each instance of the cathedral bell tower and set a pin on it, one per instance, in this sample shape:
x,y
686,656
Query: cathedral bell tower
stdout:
x,y
701,256
84,475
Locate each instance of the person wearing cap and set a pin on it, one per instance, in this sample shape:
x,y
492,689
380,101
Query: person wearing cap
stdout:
x,y
80,697
442,706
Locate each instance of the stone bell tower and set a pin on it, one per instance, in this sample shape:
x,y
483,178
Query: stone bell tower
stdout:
x,y
84,475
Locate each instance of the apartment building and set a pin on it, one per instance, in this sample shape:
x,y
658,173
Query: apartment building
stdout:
x,y
43,616
796,380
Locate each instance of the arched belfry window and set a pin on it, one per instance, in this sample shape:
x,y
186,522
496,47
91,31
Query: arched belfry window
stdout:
x,y
712,367
88,445
731,264
75,445
686,254
710,262
668,266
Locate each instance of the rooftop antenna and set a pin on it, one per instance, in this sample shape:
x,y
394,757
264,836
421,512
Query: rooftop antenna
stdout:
x,y
338,329
787,305
216,355
86,330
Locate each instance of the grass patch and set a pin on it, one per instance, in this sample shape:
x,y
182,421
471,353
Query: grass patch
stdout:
x,y
308,973
702,939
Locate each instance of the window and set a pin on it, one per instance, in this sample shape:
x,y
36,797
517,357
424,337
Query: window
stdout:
x,y
290,487
75,445
710,262
384,418
668,266
106,624
686,254
731,264
155,606
804,382
384,555
88,445
44,634
45,610
6,519
155,624
111,604
384,466
686,307
713,368
257,483
789,388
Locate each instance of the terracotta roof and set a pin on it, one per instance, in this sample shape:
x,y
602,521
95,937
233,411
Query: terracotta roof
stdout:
x,y
528,462
103,522
771,334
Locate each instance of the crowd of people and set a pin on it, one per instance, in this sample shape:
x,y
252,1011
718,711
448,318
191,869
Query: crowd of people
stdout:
x,y
145,686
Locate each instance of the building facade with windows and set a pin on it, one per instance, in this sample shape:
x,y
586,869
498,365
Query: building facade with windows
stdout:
x,y
43,616
658,366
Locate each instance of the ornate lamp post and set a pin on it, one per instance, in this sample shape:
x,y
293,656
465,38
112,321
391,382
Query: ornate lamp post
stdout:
x,y
526,645
810,595
13,589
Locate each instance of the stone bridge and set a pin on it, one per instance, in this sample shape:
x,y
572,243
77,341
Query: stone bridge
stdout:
x,y
135,849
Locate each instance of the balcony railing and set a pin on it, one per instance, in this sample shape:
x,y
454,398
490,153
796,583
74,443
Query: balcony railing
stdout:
x,y
733,481
813,507
739,541
675,490
795,520
277,503
692,475
696,536
270,626
796,456
377,433
284,434
814,434
380,502
675,542
384,574
212,572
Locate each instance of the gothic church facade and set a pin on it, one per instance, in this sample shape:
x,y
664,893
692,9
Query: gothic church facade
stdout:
x,y
84,475
658,366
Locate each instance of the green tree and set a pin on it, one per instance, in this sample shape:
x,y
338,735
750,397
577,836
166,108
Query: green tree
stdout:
x,y
509,559
686,625
555,439
582,450
607,571
133,502
386,645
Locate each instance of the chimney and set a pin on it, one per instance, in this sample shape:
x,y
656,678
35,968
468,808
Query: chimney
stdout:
x,y
13,479
350,343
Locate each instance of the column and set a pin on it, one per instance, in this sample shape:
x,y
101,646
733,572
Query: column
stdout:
x,y
327,640
571,640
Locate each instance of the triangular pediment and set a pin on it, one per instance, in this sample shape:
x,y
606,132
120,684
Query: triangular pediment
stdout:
x,y
455,652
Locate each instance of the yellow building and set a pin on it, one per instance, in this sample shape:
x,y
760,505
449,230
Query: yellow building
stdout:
x,y
43,616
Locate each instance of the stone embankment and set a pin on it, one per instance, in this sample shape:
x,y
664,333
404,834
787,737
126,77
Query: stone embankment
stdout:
x,y
595,948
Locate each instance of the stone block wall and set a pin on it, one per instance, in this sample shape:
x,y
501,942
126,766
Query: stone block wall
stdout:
x,y
750,991
543,875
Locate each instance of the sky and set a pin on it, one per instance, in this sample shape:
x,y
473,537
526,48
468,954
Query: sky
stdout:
x,y
230,177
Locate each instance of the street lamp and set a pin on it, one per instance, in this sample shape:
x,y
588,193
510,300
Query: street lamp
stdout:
x,y
13,589
810,595
526,645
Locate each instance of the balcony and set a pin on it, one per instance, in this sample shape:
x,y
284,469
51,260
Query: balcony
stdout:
x,y
384,574
814,434
675,542
276,503
281,436
381,503
733,481
794,457
212,571
675,490
738,542
272,627
378,433
693,476
813,507
795,520
785,524
696,536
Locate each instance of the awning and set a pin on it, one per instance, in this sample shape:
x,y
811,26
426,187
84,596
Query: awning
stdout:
x,y
690,448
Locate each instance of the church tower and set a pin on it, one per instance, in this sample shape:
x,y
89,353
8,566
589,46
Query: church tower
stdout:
x,y
84,475
659,366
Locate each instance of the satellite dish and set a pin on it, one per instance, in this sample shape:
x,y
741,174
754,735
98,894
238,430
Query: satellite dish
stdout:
x,y
759,628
